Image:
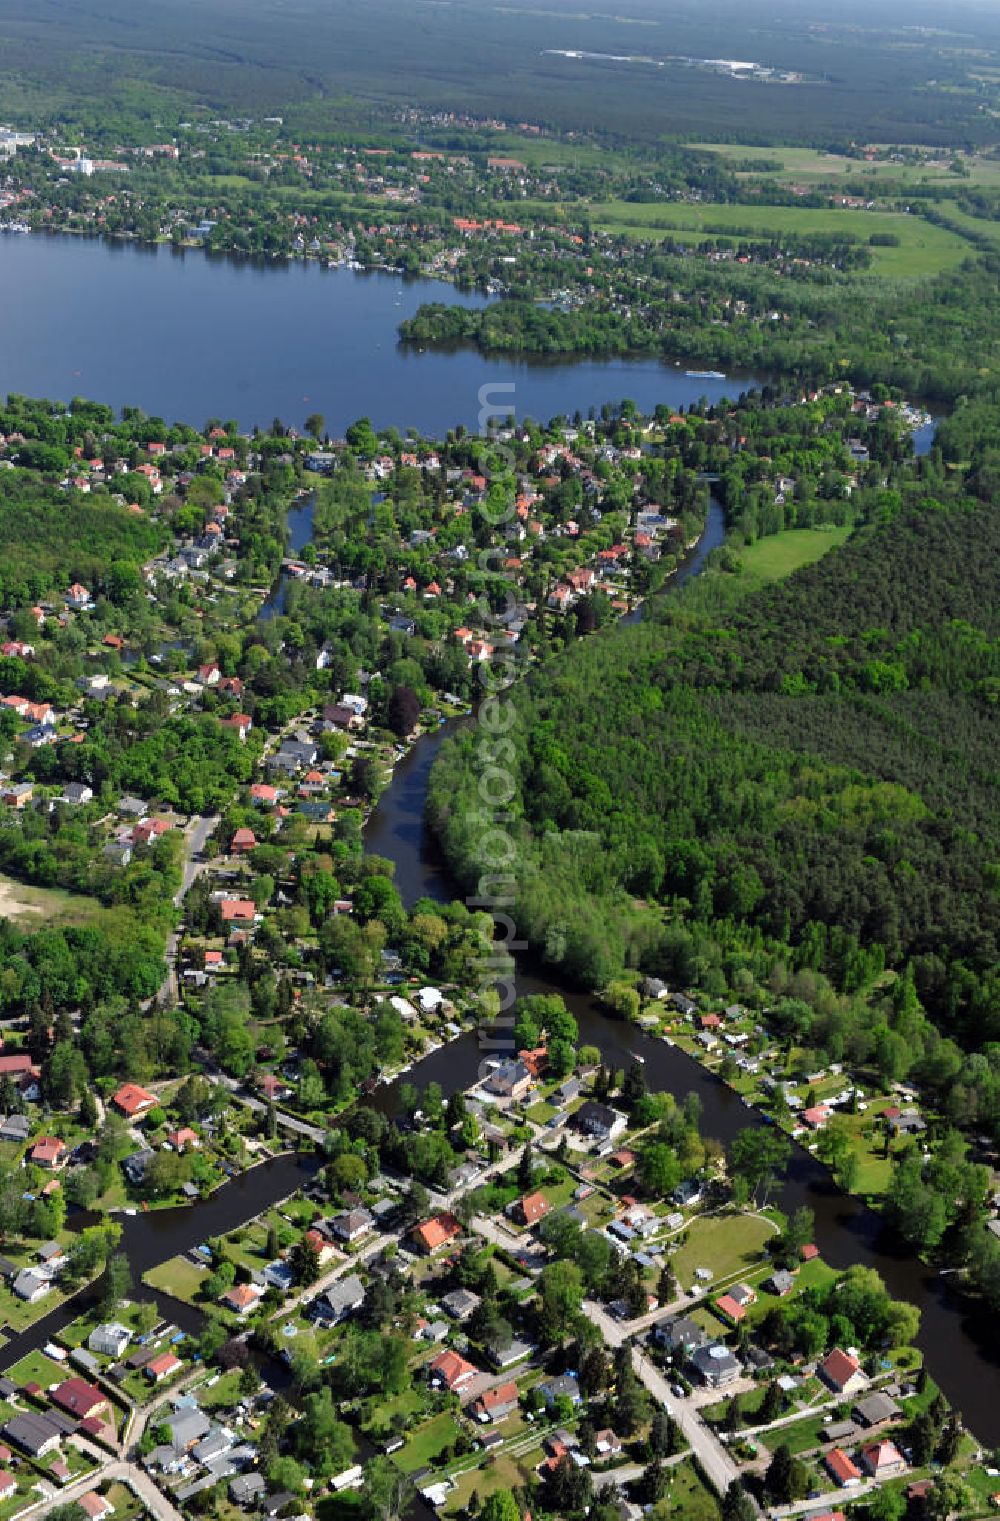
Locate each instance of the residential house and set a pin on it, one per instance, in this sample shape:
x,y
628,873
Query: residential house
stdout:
x,y
600,1121
875,1409
715,1365
162,1367
242,1298
728,1308
237,910
681,1335
841,1372
509,1080
31,1284
110,1339
607,1444
882,1460
432,1234
48,1152
133,1101
461,1303
35,1434
342,1298
780,1282
564,1386
240,723
353,1224
841,1468
451,1370
531,1209
80,1399
134,1166
77,598
246,1489
279,1275
495,1404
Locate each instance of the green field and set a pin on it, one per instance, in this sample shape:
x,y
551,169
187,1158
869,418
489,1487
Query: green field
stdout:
x,y
779,554
924,249
44,906
177,1277
727,1244
808,166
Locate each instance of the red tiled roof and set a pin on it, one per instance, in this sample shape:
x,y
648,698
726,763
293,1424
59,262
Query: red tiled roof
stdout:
x,y
437,1231
130,1099
838,1367
841,1467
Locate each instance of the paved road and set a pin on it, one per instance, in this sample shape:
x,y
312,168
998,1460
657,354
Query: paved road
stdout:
x,y
125,1473
285,1121
718,1466
196,836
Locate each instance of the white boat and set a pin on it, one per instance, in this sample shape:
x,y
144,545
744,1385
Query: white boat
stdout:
x,y
704,374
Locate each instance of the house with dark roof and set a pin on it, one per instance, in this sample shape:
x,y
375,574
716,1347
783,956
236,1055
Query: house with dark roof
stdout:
x,y
34,1433
875,1409
599,1120
680,1335
343,1297
715,1365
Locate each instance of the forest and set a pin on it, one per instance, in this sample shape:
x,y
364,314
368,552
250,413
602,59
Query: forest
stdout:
x,y
936,339
809,768
322,63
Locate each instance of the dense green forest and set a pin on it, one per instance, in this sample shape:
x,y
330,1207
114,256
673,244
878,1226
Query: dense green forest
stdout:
x,y
812,767
936,339
48,540
324,63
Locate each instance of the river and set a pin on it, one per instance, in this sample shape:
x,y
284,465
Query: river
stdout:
x,y
961,1350
188,335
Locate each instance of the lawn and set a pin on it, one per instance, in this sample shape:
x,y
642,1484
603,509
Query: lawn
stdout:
x,y
727,1244
798,1436
427,1442
812,166
45,906
16,1315
500,1472
689,1496
924,249
780,554
223,1392
177,1277
36,1368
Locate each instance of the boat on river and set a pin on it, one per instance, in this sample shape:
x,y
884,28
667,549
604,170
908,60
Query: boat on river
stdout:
x,y
705,374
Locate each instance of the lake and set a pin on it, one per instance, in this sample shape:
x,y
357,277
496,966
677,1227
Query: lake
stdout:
x,y
187,336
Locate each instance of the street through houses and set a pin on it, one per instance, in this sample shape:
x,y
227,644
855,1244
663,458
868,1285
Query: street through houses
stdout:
x,y
717,1465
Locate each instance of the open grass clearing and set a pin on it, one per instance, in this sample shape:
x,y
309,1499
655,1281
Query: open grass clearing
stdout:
x,y
781,554
725,1244
43,907
924,249
177,1277
427,1442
